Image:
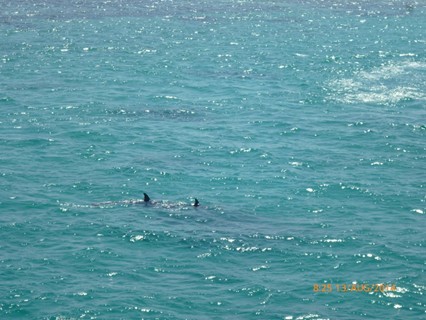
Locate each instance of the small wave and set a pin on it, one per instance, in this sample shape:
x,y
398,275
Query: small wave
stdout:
x,y
183,114
6,99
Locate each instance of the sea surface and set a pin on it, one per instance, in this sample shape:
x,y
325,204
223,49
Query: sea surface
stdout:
x,y
300,126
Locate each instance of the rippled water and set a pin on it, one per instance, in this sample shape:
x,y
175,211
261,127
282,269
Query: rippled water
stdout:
x,y
299,125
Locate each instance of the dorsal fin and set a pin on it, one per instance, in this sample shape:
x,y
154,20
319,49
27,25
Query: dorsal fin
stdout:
x,y
196,203
146,197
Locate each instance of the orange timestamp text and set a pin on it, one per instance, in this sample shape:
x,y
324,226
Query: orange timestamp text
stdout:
x,y
353,287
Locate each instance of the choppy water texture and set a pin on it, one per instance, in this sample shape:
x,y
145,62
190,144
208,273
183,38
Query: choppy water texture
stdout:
x,y
299,125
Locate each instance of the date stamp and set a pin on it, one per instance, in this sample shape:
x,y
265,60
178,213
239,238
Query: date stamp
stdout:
x,y
353,287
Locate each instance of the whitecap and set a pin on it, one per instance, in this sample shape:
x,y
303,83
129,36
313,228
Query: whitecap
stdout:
x,y
204,255
333,240
138,237
259,268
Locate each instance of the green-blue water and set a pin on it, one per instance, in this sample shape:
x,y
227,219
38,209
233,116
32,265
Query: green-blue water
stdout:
x,y
299,125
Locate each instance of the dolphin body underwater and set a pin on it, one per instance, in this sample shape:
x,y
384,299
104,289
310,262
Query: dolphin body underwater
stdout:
x,y
147,201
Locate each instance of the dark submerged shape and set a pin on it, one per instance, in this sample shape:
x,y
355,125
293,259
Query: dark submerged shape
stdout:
x,y
147,200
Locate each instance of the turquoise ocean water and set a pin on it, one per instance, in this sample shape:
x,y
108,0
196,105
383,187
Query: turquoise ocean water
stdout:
x,y
299,125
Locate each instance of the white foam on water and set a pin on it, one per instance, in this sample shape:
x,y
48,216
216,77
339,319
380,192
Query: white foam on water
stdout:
x,y
380,85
